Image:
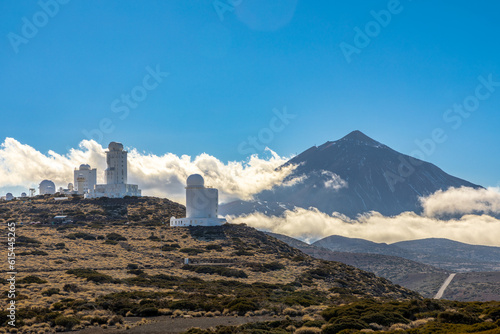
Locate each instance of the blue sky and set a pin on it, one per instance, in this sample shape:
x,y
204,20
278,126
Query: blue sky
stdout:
x,y
230,65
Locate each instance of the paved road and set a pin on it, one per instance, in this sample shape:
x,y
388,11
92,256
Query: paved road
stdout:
x,y
443,287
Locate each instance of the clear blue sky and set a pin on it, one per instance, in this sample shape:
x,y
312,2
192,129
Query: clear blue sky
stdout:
x,y
227,75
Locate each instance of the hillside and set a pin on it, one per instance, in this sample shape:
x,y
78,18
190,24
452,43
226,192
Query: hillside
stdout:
x,y
413,275
352,175
110,272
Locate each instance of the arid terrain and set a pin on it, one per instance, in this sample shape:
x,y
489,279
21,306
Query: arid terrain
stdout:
x,y
117,268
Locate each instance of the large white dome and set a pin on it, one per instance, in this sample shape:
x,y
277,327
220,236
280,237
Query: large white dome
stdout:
x,y
47,183
195,180
114,146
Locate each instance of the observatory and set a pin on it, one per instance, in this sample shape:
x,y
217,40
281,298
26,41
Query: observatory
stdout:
x,y
201,204
47,187
85,179
115,176
9,197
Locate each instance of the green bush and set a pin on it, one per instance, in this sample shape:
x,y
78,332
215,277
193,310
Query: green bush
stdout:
x,y
115,237
170,247
92,275
457,318
110,242
32,279
71,288
132,266
191,251
67,322
242,306
60,245
51,291
344,323
81,235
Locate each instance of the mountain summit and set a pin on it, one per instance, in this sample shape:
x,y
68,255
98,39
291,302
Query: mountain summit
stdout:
x,y
353,175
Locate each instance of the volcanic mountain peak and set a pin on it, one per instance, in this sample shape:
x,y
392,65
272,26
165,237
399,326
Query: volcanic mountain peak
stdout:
x,y
355,137
360,138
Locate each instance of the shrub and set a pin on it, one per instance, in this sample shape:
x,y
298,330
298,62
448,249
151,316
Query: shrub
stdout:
x,y
457,318
185,305
81,235
307,330
148,311
26,241
39,252
115,320
32,279
111,242
132,266
170,247
60,245
67,322
115,237
71,288
191,251
242,306
384,318
92,275
51,291
214,247
344,323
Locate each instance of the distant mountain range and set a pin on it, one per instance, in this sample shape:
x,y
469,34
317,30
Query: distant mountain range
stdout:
x,y
432,260
353,175
442,253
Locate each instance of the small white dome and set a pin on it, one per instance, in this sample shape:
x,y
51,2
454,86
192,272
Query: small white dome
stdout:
x,y
84,167
114,146
195,180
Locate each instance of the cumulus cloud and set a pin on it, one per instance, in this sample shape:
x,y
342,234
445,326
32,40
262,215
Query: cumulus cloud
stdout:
x,y
310,225
162,176
461,201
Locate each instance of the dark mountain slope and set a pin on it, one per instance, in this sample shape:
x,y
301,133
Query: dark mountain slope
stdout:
x,y
353,175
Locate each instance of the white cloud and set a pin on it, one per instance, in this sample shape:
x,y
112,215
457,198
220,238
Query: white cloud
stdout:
x,y
334,181
163,176
310,225
461,201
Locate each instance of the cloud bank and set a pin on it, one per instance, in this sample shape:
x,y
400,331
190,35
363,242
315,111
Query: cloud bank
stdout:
x,y
162,176
476,210
461,201
310,225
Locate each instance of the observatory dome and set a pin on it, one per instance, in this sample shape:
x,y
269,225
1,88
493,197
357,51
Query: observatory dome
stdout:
x,y
47,183
114,146
195,180
84,167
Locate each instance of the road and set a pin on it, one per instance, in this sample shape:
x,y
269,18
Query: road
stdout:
x,y
443,287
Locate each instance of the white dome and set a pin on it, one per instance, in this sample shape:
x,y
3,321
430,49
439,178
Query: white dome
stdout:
x,y
114,146
195,180
47,183
84,167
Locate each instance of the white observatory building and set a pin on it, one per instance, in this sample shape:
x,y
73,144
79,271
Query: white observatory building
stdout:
x,y
202,204
84,178
9,197
47,187
115,176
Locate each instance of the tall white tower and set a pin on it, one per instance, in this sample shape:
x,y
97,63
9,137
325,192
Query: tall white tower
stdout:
x,y
201,205
116,158
201,202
